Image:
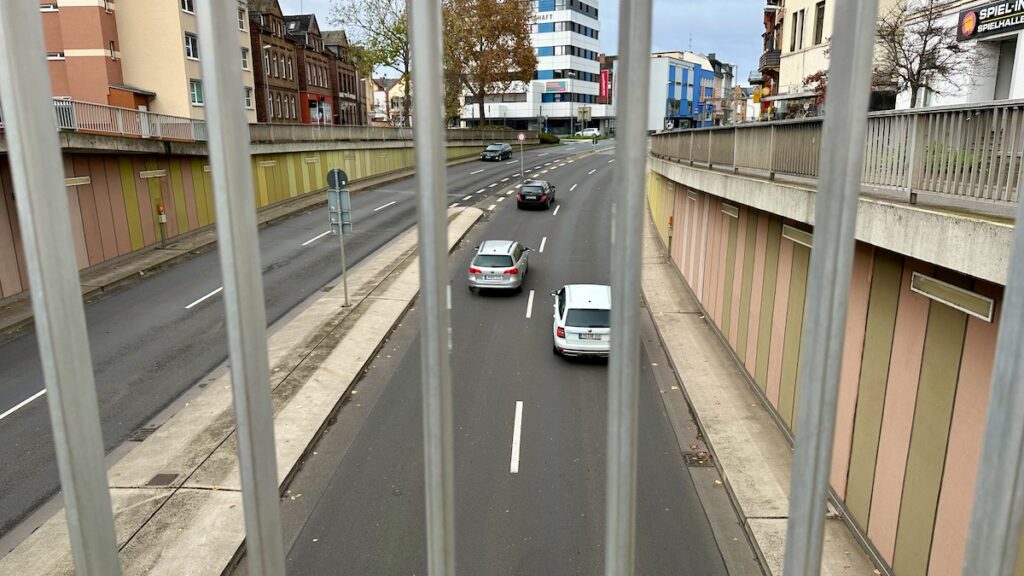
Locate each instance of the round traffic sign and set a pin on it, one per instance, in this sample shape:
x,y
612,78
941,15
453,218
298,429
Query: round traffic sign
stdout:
x,y
337,178
522,136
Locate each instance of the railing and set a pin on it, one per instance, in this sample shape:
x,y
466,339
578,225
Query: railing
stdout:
x,y
770,59
279,133
972,152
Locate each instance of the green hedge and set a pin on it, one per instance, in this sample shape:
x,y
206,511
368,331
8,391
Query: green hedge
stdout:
x,y
548,138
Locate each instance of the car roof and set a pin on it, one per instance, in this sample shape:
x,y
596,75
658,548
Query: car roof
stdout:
x,y
502,247
588,296
535,183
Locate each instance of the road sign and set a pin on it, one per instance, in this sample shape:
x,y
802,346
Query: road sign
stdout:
x,y
339,209
337,178
522,136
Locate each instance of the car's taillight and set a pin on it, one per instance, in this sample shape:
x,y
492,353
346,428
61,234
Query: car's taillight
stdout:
x,y
519,196
511,271
560,331
543,197
473,270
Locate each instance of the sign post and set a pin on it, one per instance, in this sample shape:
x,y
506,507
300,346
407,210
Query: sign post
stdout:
x,y
522,165
339,209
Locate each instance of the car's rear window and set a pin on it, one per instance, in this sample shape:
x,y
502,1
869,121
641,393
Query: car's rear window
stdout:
x,y
532,190
494,147
493,261
587,318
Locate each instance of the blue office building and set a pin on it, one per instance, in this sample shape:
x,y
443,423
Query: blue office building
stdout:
x,y
682,93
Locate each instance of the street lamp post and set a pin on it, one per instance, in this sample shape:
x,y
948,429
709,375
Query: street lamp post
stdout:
x,y
572,99
266,82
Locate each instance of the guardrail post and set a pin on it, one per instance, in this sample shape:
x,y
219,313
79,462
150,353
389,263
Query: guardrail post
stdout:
x,y
735,150
692,136
119,121
915,152
771,153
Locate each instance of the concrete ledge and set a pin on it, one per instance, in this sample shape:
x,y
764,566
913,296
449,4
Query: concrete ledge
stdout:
x,y
971,244
193,522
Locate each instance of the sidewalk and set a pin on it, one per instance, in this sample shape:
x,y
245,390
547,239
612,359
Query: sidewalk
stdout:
x,y
751,452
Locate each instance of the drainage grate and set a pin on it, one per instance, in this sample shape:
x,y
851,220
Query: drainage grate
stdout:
x,y
701,458
142,433
162,480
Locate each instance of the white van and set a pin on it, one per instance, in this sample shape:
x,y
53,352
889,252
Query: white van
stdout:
x,y
582,320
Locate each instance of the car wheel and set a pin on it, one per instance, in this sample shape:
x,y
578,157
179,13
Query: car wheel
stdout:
x,y
519,205
472,289
554,350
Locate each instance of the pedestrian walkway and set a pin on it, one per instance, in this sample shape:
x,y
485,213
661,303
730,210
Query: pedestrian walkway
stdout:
x,y
752,453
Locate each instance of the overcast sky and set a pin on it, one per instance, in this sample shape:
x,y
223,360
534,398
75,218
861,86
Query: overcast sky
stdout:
x,y
729,28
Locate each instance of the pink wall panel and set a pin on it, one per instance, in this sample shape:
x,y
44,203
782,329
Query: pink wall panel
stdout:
x,y
779,321
849,377
104,216
117,208
737,276
965,439
145,203
756,286
19,249
678,243
170,202
702,245
898,411
10,275
724,223
87,205
75,216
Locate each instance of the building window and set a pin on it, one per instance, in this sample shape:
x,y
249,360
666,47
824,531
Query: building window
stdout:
x,y
270,105
819,22
54,55
291,74
188,6
248,98
245,58
241,18
51,7
274,60
277,104
195,92
113,51
292,99
191,46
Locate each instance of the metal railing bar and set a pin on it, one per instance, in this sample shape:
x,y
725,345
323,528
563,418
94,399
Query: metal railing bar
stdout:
x,y
428,138
42,206
829,283
243,287
626,251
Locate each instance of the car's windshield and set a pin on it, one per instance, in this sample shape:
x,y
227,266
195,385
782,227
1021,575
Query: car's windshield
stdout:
x,y
532,190
494,147
587,318
492,261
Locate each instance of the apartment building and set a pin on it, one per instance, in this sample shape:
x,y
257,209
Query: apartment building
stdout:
x,y
276,72
315,67
346,85
161,49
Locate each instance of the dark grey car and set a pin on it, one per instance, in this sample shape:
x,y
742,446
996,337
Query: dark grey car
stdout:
x,y
497,151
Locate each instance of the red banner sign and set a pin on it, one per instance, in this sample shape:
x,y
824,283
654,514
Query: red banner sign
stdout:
x,y
604,84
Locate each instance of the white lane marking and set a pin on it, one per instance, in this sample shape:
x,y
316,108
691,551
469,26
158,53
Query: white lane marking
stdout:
x,y
529,305
480,191
535,168
518,186
493,185
449,291
318,236
573,187
466,198
516,174
22,404
555,213
592,171
477,172
510,162
612,160
501,199
214,293
543,241
509,193
562,165
570,161
491,207
535,175
517,431
453,204
379,208
546,163
544,154
505,179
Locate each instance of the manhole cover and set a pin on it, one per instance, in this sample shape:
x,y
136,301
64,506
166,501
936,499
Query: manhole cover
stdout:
x,y
162,480
698,459
142,433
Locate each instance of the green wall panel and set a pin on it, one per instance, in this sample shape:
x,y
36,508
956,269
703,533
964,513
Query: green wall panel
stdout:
x,y
746,283
131,202
792,342
771,275
730,274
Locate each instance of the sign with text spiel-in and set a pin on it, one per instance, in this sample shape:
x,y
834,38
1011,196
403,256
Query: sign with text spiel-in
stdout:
x,y
990,19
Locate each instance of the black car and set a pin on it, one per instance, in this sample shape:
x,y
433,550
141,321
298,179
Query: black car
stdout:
x,y
536,193
496,152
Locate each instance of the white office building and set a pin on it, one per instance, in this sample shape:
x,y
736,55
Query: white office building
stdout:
x,y
566,36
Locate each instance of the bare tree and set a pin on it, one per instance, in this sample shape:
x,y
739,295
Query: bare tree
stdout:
x,y
487,47
916,50
380,27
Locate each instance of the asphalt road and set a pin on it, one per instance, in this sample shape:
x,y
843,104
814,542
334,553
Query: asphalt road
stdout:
x,y
548,517
148,348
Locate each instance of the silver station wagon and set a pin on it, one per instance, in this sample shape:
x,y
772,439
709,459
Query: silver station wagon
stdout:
x,y
499,264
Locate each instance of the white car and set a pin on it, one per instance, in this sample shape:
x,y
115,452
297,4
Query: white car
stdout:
x,y
582,320
589,133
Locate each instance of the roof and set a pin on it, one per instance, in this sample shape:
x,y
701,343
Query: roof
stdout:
x,y
335,38
588,296
299,24
385,84
502,247
133,89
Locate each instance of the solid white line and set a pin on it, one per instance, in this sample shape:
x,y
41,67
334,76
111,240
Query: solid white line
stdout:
x,y
544,154
555,213
492,207
22,404
482,190
467,198
592,171
379,208
573,187
214,293
543,241
529,305
319,236
477,172
517,430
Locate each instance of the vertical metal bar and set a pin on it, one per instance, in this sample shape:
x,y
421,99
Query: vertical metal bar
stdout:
x,y
829,282
995,529
912,160
42,206
428,138
243,286
627,243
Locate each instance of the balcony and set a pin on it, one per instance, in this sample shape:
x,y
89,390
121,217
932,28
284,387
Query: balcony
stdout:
x,y
769,60
755,77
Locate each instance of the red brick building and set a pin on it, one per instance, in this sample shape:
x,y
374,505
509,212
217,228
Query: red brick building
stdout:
x,y
275,65
346,85
315,65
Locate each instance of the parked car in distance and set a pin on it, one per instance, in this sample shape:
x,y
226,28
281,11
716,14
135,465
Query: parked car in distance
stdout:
x,y
499,264
589,133
582,320
536,193
496,151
